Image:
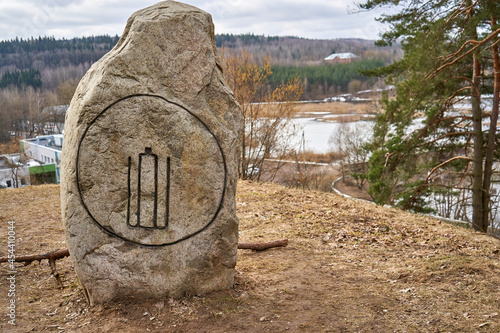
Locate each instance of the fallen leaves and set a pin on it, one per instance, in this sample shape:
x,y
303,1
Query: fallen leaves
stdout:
x,y
394,270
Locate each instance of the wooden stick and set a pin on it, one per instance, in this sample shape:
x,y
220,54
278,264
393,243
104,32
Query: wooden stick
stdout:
x,y
62,253
55,273
263,246
51,256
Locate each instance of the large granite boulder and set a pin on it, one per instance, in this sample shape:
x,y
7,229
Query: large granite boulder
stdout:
x,y
150,163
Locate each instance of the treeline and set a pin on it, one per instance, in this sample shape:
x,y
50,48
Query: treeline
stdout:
x,y
48,52
40,44
22,78
44,52
295,51
37,73
29,112
327,79
59,60
234,41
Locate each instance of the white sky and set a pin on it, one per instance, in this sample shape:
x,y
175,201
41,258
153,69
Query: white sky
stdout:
x,y
318,19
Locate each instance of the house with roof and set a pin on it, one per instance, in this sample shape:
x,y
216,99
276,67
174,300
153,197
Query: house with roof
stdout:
x,y
54,116
17,170
45,149
13,173
38,163
341,58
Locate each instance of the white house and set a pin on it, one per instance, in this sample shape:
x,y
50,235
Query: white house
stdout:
x,y
341,58
13,173
45,149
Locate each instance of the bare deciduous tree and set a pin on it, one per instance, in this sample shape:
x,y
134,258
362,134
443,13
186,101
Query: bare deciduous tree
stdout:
x,y
350,143
269,132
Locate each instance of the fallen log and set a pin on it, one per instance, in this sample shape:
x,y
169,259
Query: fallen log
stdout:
x,y
51,256
263,246
61,253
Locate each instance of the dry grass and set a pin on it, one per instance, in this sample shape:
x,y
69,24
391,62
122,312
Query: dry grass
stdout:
x,y
309,109
311,156
350,267
11,147
347,119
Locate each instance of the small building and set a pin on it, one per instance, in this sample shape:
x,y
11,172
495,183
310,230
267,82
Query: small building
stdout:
x,y
18,171
46,149
13,173
341,58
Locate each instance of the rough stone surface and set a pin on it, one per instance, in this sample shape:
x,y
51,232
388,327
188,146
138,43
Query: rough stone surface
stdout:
x,y
150,163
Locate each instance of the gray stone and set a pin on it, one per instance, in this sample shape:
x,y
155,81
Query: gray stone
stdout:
x,y
150,163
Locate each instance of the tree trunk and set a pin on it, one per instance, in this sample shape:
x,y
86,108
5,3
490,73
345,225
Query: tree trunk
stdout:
x,y
477,172
490,145
478,145
243,163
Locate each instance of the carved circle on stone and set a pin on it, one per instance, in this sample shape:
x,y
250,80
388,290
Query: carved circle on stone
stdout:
x,y
150,172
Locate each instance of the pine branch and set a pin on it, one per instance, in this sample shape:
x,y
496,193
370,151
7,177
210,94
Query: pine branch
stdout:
x,y
421,187
449,63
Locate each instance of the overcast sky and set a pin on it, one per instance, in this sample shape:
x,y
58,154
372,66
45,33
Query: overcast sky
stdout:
x,y
318,19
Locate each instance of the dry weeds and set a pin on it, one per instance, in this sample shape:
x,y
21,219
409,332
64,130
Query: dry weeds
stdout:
x,y
350,267
11,147
334,108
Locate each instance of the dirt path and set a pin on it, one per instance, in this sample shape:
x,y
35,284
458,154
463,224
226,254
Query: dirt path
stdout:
x,y
349,267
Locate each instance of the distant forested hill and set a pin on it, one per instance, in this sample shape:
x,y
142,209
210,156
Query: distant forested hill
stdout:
x,y
51,52
59,60
295,51
328,80
38,73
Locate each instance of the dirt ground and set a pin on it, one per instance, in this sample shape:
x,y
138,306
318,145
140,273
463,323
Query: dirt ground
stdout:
x,y
350,266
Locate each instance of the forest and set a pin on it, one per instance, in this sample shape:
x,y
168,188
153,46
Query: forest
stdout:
x,y
22,78
37,74
45,62
325,80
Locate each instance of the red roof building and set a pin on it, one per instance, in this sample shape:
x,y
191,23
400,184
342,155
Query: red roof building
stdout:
x,y
341,58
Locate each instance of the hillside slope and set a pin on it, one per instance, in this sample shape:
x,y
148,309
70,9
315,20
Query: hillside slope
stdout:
x,y
349,267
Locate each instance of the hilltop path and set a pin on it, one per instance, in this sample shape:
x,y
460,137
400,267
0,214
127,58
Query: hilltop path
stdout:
x,y
350,266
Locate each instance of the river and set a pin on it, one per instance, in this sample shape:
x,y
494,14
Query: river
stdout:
x,y
317,133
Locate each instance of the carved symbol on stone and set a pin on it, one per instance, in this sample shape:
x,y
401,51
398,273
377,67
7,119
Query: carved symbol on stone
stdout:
x,y
148,192
150,172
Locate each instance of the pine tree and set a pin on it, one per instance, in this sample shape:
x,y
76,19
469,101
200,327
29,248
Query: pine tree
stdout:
x,y
438,134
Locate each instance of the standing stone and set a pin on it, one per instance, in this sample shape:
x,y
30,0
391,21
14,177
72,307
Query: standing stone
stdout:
x,y
150,163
